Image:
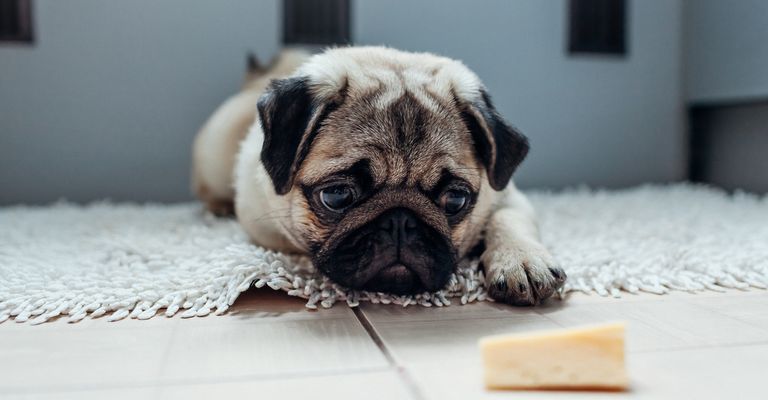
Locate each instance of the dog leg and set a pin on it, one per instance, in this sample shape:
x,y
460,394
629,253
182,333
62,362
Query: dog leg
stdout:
x,y
221,208
518,268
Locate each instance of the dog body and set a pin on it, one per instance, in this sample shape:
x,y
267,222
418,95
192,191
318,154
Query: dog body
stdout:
x,y
386,167
218,142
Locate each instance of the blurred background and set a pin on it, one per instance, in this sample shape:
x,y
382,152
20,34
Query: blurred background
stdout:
x,y
101,99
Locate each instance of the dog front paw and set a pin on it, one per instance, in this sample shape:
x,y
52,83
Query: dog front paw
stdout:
x,y
521,277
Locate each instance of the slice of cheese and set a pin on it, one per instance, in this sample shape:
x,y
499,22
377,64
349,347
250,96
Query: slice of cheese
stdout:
x,y
581,358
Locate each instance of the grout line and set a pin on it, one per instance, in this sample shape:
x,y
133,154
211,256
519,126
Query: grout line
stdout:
x,y
701,347
722,313
374,335
704,346
188,381
401,371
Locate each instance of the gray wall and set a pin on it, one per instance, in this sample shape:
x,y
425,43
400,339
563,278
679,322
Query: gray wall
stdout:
x,y
595,120
106,103
726,52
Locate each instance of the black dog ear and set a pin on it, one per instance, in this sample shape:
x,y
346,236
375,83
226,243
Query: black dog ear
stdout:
x,y
500,147
289,118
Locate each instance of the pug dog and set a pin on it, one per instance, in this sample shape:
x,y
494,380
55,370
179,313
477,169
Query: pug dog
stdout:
x,y
385,167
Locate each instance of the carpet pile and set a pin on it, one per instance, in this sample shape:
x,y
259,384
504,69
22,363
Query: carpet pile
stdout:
x,y
138,261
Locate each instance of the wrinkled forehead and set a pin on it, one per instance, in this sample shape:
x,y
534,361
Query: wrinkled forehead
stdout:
x,y
404,139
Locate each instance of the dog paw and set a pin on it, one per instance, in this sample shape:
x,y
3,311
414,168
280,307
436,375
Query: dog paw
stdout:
x,y
522,278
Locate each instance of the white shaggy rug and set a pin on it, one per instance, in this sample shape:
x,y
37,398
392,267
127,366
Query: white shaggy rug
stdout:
x,y
125,260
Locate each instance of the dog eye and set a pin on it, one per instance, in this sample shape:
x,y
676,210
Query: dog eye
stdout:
x,y
453,201
337,198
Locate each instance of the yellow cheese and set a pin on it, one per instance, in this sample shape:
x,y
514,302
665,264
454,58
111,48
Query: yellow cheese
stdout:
x,y
582,358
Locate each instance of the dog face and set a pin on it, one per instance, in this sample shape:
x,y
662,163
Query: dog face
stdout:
x,y
389,161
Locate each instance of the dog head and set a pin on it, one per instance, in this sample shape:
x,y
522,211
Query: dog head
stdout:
x,y
389,161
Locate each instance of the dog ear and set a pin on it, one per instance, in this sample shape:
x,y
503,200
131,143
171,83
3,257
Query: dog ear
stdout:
x,y
289,118
499,146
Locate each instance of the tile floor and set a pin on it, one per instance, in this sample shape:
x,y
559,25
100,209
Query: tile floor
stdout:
x,y
704,346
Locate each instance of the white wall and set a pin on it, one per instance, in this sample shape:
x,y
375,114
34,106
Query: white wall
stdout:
x,y
601,121
726,50
106,103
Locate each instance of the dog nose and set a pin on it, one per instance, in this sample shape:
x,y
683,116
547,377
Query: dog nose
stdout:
x,y
400,224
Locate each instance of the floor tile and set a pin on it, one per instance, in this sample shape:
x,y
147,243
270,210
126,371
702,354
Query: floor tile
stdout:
x,y
62,357
704,373
752,309
441,354
387,384
438,349
487,309
449,342
384,385
124,393
661,325
240,348
274,334
466,382
706,345
736,372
